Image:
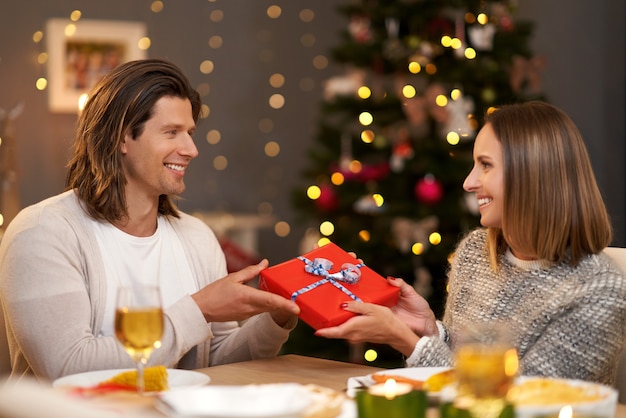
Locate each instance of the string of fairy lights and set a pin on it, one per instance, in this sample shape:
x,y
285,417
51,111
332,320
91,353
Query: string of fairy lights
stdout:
x,y
276,79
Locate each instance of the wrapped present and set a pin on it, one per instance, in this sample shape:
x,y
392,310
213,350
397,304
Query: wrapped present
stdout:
x,y
321,280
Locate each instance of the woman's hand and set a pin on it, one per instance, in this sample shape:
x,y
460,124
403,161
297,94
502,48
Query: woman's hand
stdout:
x,y
413,309
230,299
375,324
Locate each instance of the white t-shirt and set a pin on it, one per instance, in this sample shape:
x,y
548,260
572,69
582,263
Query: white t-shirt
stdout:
x,y
158,259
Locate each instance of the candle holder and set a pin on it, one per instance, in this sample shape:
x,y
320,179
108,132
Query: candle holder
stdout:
x,y
391,400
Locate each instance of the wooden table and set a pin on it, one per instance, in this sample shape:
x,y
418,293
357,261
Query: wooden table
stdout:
x,y
286,369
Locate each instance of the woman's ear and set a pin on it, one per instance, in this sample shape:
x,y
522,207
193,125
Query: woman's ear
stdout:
x,y
123,148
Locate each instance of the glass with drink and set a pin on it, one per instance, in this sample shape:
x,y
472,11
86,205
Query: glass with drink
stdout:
x,y
139,324
486,364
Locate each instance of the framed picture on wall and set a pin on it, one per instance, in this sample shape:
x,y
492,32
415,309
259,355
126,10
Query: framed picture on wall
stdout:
x,y
80,53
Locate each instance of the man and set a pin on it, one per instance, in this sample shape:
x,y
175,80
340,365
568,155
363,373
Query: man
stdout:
x,y
61,260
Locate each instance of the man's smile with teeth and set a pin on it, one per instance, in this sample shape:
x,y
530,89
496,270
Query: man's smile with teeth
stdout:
x,y
175,167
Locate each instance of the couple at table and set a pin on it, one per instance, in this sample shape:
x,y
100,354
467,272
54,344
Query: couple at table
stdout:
x,y
536,262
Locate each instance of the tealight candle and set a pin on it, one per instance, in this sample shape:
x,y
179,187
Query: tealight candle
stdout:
x,y
391,400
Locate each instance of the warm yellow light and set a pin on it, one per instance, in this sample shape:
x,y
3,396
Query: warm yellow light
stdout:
x,y
276,101
207,67
327,228
313,192
446,41
367,136
482,18
220,163
216,41
37,36
456,43
70,30
470,53
205,111
213,136
441,100
456,94
409,91
434,238
414,67
337,179
453,138
355,166
470,18
216,16
82,101
156,6
307,15
144,43
566,412
277,80
272,149
274,11
42,57
1,219
364,235
282,229
417,248
364,92
320,62
41,83
370,355
322,241
491,109
378,199
366,118
431,68
75,15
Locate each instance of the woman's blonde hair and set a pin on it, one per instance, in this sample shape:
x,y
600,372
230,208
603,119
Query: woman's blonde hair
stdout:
x,y
552,208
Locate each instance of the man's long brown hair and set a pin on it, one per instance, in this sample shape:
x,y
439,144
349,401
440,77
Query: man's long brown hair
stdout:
x,y
120,104
552,208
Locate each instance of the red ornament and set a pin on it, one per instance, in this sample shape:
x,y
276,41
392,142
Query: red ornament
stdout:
x,y
328,200
428,190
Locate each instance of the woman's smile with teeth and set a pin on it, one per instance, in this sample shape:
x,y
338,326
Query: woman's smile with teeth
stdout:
x,y
484,200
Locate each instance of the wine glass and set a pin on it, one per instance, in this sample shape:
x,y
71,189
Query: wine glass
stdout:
x,y
486,363
139,324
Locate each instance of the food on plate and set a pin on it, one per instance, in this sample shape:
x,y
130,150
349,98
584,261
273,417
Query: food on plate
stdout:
x,y
437,381
326,402
433,383
155,379
546,391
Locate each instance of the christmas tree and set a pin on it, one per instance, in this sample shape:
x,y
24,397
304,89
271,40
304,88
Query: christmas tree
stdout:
x,y
396,132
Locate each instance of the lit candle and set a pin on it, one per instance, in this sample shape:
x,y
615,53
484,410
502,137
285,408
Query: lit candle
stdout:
x,y
391,400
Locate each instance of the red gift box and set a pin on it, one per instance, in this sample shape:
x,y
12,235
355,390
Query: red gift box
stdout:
x,y
320,296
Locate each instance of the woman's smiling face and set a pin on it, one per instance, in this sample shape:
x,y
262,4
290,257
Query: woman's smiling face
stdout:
x,y
486,180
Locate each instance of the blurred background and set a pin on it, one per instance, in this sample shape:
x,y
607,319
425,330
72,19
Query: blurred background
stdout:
x,y
287,153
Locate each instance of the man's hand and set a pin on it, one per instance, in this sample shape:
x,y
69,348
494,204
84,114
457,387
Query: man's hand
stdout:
x,y
230,299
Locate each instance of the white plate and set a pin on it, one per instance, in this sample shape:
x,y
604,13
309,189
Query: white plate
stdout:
x,y
176,378
285,400
414,373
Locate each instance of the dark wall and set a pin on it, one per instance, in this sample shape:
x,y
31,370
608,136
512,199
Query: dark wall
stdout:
x,y
583,45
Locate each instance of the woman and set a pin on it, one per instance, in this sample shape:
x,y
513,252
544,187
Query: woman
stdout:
x,y
536,263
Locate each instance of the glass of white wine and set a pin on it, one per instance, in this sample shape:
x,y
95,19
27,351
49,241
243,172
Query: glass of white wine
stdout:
x,y
139,324
486,364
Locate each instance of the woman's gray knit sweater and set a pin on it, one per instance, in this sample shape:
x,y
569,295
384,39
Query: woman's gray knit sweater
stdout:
x,y
568,321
